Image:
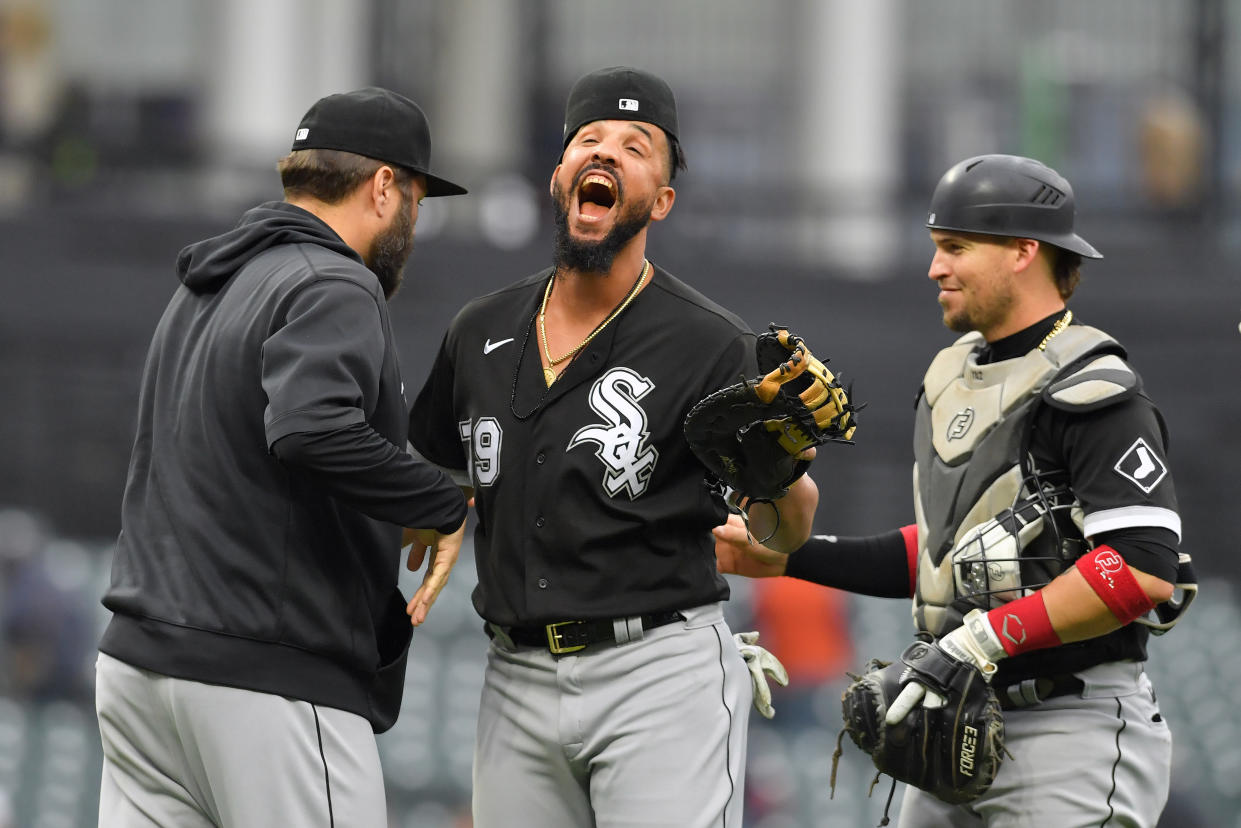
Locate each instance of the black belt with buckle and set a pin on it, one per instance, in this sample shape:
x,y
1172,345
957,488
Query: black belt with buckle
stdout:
x,y
570,636
1031,691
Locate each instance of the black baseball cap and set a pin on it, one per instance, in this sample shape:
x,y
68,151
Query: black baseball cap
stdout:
x,y
620,93
377,123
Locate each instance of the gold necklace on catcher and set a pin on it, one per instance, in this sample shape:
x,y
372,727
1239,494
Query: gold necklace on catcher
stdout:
x,y
549,373
1061,324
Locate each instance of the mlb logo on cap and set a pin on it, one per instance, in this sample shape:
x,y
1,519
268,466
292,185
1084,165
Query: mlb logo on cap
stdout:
x,y
376,123
616,94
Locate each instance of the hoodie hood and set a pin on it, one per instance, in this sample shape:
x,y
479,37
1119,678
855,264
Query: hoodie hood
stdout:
x,y
205,266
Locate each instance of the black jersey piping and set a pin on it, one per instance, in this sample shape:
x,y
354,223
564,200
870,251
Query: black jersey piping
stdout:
x,y
1111,812
728,741
327,776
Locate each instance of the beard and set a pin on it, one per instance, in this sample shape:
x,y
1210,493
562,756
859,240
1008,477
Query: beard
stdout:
x,y
390,250
983,315
596,256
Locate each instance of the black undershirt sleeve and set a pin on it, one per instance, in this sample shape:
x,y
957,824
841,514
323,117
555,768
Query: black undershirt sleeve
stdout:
x,y
873,565
1151,549
362,469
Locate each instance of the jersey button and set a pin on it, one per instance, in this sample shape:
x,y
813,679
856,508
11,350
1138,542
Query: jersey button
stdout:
x,y
542,583
538,522
540,457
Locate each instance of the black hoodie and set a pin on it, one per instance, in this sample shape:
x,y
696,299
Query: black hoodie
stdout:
x,y
259,543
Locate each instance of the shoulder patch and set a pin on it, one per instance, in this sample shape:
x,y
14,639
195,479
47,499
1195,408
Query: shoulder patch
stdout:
x,y
1100,382
1142,466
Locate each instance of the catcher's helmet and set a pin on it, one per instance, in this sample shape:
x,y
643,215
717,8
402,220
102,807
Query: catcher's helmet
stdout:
x,y
1007,195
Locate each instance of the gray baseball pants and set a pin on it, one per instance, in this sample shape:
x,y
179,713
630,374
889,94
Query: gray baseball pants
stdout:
x,y
1100,759
194,755
647,733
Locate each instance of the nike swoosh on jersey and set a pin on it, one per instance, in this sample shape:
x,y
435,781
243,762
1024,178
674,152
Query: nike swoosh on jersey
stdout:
x,y
490,346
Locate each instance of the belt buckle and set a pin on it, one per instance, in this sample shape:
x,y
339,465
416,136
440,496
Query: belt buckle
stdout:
x,y
554,635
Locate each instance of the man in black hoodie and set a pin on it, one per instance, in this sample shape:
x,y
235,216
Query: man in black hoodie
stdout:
x,y
258,638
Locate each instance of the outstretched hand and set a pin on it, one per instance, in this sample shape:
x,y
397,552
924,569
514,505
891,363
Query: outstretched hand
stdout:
x,y
444,550
737,553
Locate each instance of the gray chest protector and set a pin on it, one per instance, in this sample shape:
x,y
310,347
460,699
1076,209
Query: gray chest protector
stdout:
x,y
990,528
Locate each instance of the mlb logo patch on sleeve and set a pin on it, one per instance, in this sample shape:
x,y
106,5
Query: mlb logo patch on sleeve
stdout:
x,y
1141,466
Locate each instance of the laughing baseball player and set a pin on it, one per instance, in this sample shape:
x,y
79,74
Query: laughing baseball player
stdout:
x,y
615,692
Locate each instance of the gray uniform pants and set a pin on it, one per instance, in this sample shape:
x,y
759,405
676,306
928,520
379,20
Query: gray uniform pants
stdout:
x,y
186,754
1104,758
647,733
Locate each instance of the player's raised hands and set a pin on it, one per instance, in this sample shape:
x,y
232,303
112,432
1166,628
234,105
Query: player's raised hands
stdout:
x,y
737,553
444,550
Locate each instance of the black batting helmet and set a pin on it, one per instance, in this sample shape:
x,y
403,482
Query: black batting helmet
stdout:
x,y
1008,195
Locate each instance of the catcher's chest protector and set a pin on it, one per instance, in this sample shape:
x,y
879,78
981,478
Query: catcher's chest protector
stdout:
x,y
971,424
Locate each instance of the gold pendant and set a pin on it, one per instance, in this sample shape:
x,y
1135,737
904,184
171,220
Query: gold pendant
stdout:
x,y
549,376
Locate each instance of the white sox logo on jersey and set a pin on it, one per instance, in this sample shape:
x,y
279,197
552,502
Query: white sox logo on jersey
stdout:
x,y
1141,466
622,438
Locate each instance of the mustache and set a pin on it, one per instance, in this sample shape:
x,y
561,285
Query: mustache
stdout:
x,y
598,166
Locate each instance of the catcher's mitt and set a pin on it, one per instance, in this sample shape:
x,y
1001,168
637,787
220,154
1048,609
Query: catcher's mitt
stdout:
x,y
953,751
749,434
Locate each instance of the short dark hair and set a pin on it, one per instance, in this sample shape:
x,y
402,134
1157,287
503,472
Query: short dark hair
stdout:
x,y
1066,268
676,158
331,176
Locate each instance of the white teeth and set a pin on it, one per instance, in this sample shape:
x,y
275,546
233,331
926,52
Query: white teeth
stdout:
x,y
598,179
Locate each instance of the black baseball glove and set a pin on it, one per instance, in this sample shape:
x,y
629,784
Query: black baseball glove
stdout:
x,y
952,751
749,434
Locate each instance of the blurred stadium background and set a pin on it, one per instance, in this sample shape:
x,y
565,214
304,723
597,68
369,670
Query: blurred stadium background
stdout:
x,y
815,130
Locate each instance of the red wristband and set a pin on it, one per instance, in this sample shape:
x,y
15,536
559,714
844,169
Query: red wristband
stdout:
x,y
1024,625
910,534
1109,576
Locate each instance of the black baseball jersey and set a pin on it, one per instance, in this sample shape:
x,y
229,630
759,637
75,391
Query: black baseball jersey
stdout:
x,y
1115,458
1109,448
590,503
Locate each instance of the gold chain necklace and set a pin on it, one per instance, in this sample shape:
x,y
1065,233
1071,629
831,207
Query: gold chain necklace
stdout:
x,y
1061,324
549,375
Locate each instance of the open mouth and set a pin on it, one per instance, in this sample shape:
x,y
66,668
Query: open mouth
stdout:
x,y
596,196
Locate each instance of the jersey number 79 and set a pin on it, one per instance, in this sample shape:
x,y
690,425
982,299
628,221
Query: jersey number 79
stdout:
x,y
482,449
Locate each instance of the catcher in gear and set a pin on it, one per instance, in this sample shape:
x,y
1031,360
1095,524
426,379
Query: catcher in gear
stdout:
x,y
1045,548
756,437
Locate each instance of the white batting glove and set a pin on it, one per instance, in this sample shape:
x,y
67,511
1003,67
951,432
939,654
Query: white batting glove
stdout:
x,y
974,642
762,665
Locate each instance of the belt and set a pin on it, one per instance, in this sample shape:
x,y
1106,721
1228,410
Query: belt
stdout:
x,y
1031,691
570,636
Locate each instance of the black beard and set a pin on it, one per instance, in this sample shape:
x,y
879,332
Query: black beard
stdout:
x,y
390,250
591,256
